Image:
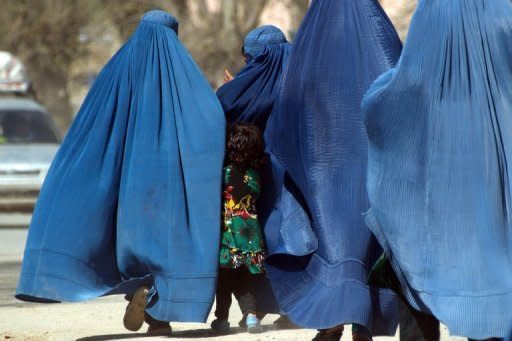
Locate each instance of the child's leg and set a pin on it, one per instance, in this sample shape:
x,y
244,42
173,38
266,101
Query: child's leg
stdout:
x,y
246,286
244,290
417,326
225,284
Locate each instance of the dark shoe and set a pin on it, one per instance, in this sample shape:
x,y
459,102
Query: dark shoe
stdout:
x,y
361,337
159,329
360,333
220,326
242,324
283,322
134,314
333,334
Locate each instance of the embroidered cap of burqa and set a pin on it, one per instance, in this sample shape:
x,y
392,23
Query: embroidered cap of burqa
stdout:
x,y
320,250
440,154
134,189
249,97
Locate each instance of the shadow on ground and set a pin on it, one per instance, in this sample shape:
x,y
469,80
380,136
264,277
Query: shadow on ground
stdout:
x,y
9,274
182,334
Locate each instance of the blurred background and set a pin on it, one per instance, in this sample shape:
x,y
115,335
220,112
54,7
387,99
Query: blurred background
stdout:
x,y
64,43
52,50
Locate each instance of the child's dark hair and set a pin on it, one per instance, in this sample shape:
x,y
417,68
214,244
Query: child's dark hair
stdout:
x,y
245,146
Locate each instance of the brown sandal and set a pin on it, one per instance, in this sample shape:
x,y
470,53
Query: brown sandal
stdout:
x,y
134,314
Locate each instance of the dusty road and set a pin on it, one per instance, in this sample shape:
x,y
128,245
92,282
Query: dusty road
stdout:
x,y
100,319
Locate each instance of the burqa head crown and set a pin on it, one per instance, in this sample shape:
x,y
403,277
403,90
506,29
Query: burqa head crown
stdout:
x,y
162,18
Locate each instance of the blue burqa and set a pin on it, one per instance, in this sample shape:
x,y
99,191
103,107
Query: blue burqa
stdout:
x,y
440,158
134,190
249,97
320,248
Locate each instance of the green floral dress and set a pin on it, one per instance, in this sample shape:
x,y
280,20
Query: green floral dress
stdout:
x,y
242,240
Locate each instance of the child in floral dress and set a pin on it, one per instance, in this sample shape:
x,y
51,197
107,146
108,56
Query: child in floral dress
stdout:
x,y
242,248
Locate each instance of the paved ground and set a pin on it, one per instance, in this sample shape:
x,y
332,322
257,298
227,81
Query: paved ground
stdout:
x,y
99,319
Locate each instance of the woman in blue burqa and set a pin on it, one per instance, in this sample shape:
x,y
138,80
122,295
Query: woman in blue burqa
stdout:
x,y
439,176
134,191
320,250
249,98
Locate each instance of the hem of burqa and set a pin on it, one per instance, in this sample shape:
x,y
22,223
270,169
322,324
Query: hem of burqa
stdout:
x,y
313,292
170,302
473,317
318,305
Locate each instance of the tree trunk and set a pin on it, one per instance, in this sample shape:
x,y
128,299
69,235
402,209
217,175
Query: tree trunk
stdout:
x,y
52,92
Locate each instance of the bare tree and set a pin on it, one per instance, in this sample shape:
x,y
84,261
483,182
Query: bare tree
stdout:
x,y
215,39
400,12
213,31
45,35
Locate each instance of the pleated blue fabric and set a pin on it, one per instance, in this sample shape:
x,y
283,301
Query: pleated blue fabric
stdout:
x,y
320,250
134,191
440,153
249,97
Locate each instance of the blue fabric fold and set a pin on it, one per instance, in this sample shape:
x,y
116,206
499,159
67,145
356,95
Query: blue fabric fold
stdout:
x,y
134,191
320,248
439,178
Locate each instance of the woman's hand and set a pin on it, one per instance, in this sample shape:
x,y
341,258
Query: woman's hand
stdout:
x,y
228,77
